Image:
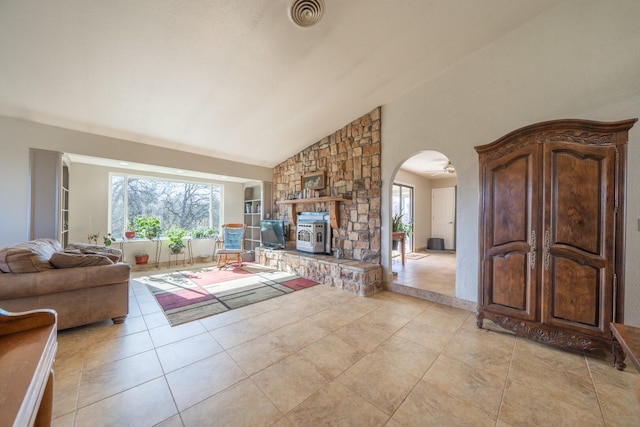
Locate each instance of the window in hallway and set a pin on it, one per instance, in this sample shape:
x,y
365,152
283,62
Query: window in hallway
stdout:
x,y
402,204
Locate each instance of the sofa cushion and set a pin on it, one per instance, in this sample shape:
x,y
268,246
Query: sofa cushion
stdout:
x,y
113,254
28,257
69,260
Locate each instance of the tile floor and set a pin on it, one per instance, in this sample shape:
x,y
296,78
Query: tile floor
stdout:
x,y
325,357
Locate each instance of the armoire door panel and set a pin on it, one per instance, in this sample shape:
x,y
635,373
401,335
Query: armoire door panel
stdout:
x,y
581,208
510,278
510,189
511,186
579,225
576,293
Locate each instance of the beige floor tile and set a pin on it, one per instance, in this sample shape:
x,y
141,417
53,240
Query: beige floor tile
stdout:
x,y
483,350
332,355
148,307
426,335
182,353
241,405
406,355
619,405
299,334
228,317
470,384
164,335
64,421
397,335
155,320
239,332
362,336
257,354
174,421
203,379
530,401
110,350
106,380
336,405
385,320
289,382
277,318
145,405
282,422
383,388
428,405
66,388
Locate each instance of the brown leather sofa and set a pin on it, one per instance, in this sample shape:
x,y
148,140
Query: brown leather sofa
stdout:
x,y
82,283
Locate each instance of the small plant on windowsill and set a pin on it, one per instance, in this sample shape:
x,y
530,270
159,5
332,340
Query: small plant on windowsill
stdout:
x,y
93,238
202,232
142,257
175,235
129,231
108,240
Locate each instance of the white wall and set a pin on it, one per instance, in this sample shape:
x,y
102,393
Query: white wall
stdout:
x,y
578,60
17,136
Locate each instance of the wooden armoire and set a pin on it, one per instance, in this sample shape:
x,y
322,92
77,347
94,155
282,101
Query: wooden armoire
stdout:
x,y
551,232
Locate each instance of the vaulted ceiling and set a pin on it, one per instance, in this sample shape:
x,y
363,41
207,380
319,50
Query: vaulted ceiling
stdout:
x,y
228,78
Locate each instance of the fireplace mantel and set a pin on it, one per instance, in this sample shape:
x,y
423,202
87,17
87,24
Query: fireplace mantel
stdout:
x,y
332,204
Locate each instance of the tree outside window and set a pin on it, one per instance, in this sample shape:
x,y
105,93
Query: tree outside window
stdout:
x,y
178,204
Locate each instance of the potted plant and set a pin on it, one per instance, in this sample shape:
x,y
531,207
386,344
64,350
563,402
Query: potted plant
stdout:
x,y
108,240
398,225
129,231
148,226
202,232
142,257
175,235
93,238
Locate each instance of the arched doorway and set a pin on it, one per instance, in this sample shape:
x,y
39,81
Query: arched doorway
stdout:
x,y
424,196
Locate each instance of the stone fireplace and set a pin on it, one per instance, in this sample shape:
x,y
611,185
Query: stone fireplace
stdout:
x,y
350,157
347,204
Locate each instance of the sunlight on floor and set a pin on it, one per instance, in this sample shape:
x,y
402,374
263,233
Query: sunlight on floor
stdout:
x,y
436,272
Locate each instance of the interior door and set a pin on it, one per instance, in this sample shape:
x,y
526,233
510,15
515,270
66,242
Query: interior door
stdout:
x,y
443,215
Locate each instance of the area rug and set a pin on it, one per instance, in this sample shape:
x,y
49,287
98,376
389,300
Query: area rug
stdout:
x,y
187,295
415,255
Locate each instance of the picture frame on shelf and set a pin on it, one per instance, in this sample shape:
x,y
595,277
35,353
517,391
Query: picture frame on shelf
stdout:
x,y
313,181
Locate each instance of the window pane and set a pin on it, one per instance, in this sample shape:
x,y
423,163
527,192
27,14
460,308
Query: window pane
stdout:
x,y
180,204
117,206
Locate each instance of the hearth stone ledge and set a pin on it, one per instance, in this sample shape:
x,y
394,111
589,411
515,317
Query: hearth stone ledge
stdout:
x,y
357,277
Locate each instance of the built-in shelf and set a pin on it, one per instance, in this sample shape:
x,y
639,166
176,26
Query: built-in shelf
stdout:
x,y
332,204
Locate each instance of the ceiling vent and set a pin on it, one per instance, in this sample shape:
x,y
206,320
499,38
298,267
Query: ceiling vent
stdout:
x,y
306,13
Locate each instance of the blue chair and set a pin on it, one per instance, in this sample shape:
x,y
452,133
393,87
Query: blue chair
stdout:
x,y
232,244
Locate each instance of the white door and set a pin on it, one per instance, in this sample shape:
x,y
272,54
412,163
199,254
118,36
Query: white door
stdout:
x,y
443,215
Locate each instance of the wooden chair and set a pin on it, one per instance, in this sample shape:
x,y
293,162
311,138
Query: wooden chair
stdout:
x,y
231,244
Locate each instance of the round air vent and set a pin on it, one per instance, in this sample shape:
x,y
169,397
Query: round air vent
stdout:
x,y
306,13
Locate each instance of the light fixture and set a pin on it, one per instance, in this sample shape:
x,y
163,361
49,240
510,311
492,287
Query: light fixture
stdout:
x,y
449,168
306,13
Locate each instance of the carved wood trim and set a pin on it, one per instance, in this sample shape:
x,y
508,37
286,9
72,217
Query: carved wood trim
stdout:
x,y
545,335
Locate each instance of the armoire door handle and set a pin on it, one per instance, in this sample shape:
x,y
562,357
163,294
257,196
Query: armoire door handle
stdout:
x,y
547,249
533,250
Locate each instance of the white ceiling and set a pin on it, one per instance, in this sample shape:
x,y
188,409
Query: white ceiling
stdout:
x,y
232,79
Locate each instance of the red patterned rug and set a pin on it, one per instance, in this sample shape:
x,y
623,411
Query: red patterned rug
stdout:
x,y
187,295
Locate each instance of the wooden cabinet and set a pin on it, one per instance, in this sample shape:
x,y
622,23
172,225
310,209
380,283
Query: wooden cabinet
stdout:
x,y
552,200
